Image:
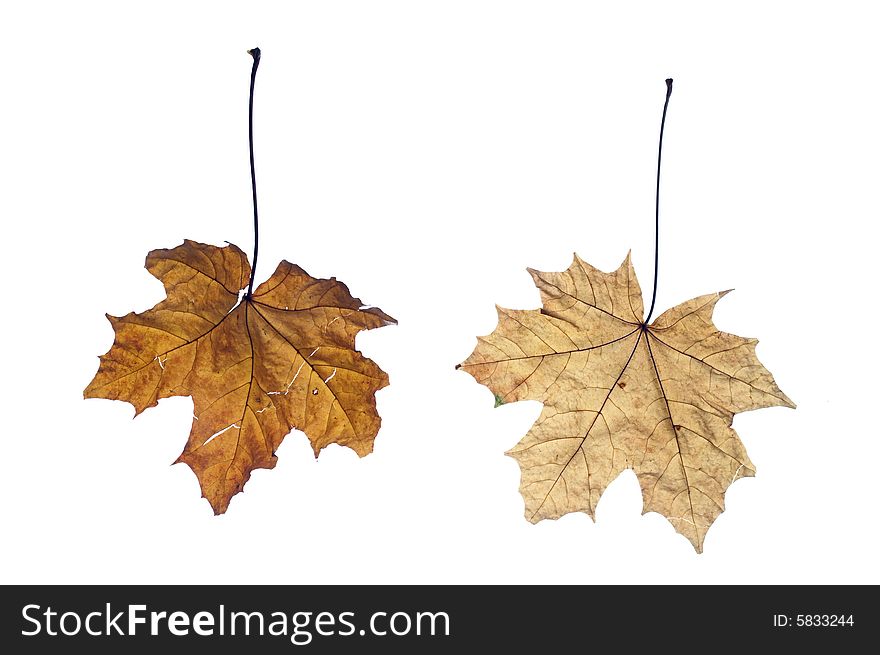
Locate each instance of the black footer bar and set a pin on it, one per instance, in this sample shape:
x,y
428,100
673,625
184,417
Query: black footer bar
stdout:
x,y
428,619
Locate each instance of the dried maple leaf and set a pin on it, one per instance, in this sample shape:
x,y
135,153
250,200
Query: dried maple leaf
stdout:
x,y
255,367
619,394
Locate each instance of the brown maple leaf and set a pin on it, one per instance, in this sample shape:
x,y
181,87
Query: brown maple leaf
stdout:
x,y
619,394
255,367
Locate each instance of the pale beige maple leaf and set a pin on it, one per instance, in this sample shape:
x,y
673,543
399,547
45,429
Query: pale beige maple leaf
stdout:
x,y
618,394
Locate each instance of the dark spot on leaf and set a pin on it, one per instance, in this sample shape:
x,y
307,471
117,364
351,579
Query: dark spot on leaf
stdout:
x,y
622,385
314,392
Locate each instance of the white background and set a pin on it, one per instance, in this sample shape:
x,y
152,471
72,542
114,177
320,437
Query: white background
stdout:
x,y
425,153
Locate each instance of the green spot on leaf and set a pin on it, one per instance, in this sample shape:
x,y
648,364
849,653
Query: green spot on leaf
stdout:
x,y
498,400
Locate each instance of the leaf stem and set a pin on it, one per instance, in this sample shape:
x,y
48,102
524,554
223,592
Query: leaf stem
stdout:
x,y
255,53
657,202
